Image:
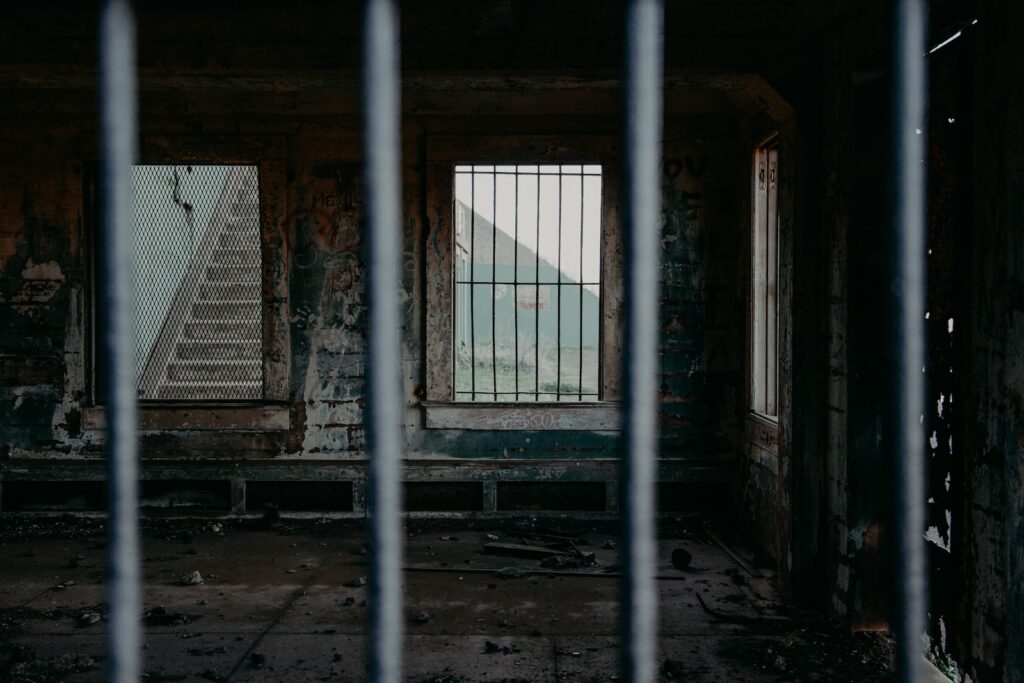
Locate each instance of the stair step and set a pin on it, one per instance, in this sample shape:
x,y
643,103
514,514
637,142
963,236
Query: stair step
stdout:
x,y
225,350
245,209
232,274
216,371
223,330
212,291
238,226
237,257
239,240
226,310
210,390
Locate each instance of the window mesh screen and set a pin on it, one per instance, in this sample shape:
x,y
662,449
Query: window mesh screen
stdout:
x,y
527,282
198,272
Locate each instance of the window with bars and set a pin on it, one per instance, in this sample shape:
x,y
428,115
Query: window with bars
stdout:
x,y
197,267
527,295
764,283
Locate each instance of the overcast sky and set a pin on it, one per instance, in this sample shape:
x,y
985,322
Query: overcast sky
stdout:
x,y
495,193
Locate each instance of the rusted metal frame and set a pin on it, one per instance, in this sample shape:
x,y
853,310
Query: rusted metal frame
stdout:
x,y
119,151
382,151
909,111
260,417
643,109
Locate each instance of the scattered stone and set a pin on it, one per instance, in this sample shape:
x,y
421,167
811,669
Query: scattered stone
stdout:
x,y
349,602
212,675
505,623
158,616
491,537
88,618
609,545
192,579
511,572
422,617
681,559
355,583
257,659
337,657
562,562
207,651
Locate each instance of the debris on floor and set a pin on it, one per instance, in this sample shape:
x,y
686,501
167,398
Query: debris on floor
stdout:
x,y
555,615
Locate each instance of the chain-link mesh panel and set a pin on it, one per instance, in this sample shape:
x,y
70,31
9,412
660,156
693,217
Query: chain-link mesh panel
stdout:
x,y
198,272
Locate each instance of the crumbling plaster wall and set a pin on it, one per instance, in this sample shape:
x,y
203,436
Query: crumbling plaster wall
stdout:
x,y
994,510
46,299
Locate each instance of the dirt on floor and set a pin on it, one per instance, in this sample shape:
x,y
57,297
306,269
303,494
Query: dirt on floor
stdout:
x,y
286,600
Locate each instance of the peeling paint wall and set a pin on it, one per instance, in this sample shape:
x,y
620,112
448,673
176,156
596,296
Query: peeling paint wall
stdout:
x,y
318,268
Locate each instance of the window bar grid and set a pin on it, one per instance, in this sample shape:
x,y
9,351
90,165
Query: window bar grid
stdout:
x,y
555,199
381,121
119,141
643,102
909,110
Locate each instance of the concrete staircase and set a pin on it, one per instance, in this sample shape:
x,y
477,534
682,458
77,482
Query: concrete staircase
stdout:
x,y
211,345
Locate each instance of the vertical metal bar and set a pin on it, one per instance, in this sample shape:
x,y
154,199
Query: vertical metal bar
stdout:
x,y
120,140
643,102
558,286
494,279
472,281
536,303
382,126
515,279
579,385
909,102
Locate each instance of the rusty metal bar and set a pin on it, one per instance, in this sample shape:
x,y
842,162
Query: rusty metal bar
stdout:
x,y
119,149
643,107
909,111
382,152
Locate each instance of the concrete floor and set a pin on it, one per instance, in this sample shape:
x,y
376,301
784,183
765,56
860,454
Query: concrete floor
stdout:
x,y
273,607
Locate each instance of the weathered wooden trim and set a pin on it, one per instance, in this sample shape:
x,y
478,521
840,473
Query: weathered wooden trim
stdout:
x,y
603,416
273,184
440,275
762,432
197,417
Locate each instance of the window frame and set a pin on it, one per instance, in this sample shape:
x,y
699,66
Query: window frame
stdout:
x,y
764,321
269,413
441,410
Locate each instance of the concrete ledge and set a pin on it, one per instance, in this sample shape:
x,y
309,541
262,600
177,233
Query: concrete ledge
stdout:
x,y
604,416
199,417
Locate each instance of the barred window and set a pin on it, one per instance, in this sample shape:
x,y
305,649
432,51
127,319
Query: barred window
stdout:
x,y
527,294
198,266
